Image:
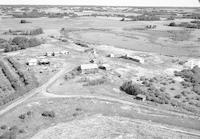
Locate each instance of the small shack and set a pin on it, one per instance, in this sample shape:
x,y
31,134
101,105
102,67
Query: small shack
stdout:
x,y
134,58
111,55
44,62
105,67
88,68
32,62
64,52
141,97
151,26
49,54
56,53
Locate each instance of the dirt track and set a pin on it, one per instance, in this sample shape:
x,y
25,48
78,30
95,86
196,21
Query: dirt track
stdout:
x,y
35,91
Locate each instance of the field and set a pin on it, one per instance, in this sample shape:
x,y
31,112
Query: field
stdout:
x,y
99,72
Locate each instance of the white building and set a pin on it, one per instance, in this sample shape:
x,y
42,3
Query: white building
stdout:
x,y
192,63
32,62
88,68
64,52
111,55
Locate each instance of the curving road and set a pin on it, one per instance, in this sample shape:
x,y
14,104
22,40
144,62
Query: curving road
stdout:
x,y
37,90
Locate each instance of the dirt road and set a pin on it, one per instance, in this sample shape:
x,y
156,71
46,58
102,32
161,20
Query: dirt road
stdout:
x,y
40,89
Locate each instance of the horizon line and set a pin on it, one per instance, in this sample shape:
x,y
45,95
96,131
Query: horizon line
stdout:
x,y
100,5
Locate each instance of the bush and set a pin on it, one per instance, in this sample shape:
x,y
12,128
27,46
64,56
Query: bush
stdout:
x,y
72,74
22,42
50,114
162,89
196,89
34,42
172,88
175,103
24,21
9,135
36,31
177,96
95,82
19,43
185,25
191,77
3,127
131,89
22,131
22,116
144,18
172,24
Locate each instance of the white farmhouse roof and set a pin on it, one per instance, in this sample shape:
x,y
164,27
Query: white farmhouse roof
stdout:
x,y
43,60
89,66
192,62
33,60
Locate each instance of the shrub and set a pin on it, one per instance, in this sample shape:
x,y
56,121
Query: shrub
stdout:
x,y
3,127
162,89
13,128
22,116
19,43
50,114
24,21
22,131
72,74
175,103
172,24
191,77
196,89
36,31
131,89
34,42
177,96
9,135
22,42
95,82
144,18
29,113
172,88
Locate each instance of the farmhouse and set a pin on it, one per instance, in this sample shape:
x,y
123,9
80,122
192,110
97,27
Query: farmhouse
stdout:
x,y
88,68
32,62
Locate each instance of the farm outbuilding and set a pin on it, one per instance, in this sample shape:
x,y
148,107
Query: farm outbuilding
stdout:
x,y
44,62
192,63
110,55
64,52
105,67
56,53
49,54
32,62
134,58
89,68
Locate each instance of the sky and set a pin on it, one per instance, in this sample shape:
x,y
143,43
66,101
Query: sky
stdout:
x,y
175,3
